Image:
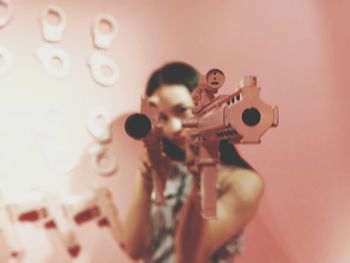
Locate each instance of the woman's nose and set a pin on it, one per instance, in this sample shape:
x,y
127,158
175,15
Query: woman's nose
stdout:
x,y
174,126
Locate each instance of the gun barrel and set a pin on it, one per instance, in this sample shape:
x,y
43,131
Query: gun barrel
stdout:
x,y
138,125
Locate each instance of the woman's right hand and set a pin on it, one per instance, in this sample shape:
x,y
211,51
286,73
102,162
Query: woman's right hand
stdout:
x,y
145,171
154,176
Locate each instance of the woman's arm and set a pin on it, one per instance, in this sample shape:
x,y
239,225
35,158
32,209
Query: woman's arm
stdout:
x,y
137,226
190,234
136,229
196,238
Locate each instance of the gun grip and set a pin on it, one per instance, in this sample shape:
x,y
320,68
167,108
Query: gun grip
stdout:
x,y
208,192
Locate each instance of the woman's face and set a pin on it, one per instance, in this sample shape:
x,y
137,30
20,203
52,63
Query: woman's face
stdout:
x,y
174,105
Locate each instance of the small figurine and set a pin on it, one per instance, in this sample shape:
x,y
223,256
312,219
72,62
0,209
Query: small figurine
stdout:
x,y
206,90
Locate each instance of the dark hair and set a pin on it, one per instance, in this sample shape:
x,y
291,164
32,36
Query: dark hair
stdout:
x,y
230,156
182,73
173,73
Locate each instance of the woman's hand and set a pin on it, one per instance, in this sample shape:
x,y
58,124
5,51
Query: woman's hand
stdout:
x,y
145,170
154,174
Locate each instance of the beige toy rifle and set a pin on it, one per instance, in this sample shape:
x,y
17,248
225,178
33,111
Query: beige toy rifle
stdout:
x,y
241,117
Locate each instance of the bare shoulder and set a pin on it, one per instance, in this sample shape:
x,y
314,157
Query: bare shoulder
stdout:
x,y
245,184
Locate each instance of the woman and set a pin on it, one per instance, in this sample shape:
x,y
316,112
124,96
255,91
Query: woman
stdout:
x,y
176,231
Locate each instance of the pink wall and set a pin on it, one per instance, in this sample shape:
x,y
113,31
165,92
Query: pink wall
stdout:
x,y
299,50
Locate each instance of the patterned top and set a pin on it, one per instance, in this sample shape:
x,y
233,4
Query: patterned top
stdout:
x,y
162,245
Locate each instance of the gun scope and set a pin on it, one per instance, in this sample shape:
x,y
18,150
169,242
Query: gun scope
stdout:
x,y
137,125
251,117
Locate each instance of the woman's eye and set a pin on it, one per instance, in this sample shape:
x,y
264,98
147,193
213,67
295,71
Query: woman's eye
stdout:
x,y
162,118
182,111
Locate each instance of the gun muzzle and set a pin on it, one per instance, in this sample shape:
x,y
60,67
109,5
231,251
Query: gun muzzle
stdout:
x,y
137,125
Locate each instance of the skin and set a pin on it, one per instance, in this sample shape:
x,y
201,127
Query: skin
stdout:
x,y
196,239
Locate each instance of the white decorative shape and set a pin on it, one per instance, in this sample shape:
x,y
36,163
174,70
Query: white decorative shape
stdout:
x,y
100,153
5,18
6,61
97,62
49,118
58,158
7,152
99,125
47,54
53,32
104,40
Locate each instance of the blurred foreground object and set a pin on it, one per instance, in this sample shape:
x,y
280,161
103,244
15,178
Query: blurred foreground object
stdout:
x,y
47,211
6,16
97,205
8,232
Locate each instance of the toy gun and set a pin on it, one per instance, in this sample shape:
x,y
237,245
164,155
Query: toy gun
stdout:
x,y
98,206
144,126
7,230
241,117
49,213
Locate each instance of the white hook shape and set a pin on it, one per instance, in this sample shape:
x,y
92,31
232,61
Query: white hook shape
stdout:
x,y
5,18
99,125
104,40
100,153
49,118
57,157
6,61
49,56
53,31
98,63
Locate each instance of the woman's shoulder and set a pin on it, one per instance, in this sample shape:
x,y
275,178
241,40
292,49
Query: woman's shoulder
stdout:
x,y
246,183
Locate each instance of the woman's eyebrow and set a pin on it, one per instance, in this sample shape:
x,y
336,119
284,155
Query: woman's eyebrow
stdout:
x,y
178,107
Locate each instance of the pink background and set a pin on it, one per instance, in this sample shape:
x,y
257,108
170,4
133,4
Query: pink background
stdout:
x,y
299,50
